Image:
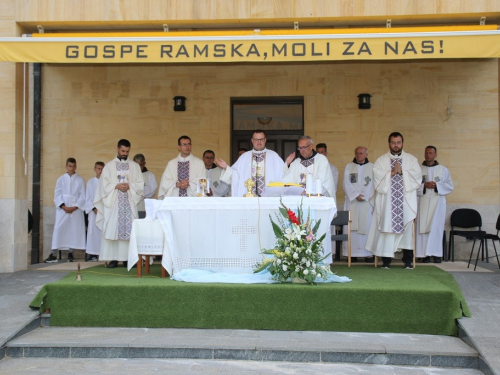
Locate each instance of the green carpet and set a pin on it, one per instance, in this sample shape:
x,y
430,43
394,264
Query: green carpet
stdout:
x,y
425,300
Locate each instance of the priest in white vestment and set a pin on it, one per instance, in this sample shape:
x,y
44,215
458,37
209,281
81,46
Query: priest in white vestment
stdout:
x,y
119,191
180,178
309,162
259,164
69,226
218,188
436,185
358,182
396,178
321,148
150,184
94,234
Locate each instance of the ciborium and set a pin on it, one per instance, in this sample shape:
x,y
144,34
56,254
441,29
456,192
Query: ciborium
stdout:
x,y
249,184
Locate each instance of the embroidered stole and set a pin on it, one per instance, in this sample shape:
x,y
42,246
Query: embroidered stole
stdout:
x,y
305,170
182,174
258,172
124,210
397,199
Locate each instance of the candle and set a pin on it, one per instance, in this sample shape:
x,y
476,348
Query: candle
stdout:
x,y
318,187
208,184
309,184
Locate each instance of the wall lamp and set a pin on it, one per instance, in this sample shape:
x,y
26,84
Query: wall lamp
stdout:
x,y
179,103
364,101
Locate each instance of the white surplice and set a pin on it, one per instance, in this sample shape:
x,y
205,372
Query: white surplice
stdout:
x,y
69,229
239,172
94,234
335,174
319,169
150,187
358,180
219,188
432,211
382,241
169,178
108,215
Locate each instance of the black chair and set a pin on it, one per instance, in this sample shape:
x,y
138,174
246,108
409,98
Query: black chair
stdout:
x,y
342,218
483,244
464,218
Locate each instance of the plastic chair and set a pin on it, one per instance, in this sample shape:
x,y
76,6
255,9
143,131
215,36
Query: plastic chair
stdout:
x,y
464,218
483,238
343,218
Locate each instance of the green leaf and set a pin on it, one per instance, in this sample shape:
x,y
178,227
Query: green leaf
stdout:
x,y
277,230
262,267
316,226
284,212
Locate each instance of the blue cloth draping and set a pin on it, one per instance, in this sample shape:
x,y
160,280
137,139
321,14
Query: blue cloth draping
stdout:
x,y
191,275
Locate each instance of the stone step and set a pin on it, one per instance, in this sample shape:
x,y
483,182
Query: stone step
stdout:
x,y
281,346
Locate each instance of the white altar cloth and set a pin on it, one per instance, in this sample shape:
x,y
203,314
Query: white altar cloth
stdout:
x,y
226,234
146,237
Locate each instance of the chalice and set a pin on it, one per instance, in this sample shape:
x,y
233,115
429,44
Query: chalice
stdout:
x,y
203,187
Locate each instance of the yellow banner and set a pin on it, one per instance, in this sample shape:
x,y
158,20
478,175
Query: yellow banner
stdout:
x,y
252,48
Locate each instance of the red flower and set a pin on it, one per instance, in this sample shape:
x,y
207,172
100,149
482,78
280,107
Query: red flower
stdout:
x,y
292,217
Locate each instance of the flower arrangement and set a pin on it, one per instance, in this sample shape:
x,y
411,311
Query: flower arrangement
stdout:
x,y
296,254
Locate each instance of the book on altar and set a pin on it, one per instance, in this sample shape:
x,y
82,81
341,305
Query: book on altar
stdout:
x,y
279,189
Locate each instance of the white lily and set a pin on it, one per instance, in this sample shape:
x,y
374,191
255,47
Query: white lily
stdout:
x,y
298,231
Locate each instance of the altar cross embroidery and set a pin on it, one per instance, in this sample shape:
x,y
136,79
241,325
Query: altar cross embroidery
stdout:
x,y
243,230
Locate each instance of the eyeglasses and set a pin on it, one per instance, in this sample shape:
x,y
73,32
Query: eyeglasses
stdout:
x,y
258,139
185,144
300,148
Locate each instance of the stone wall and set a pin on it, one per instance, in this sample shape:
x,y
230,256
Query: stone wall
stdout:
x,y
86,109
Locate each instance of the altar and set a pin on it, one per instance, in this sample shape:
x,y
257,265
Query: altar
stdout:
x,y
224,234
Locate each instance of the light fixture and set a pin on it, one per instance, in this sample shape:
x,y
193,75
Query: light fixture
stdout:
x,y
179,103
264,120
364,101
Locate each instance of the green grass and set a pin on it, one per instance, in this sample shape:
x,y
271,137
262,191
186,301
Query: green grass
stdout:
x,y
424,300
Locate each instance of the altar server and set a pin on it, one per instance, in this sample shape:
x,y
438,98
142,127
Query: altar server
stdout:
x,y
436,185
94,234
322,149
119,191
218,188
259,164
358,179
396,178
181,176
309,162
69,226
150,185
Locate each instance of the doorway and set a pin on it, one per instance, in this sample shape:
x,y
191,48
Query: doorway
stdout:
x,y
281,118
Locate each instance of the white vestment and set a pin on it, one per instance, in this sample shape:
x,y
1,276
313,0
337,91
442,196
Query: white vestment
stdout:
x,y
219,188
239,172
94,234
69,229
358,180
432,211
150,187
382,240
297,173
335,174
197,170
110,216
